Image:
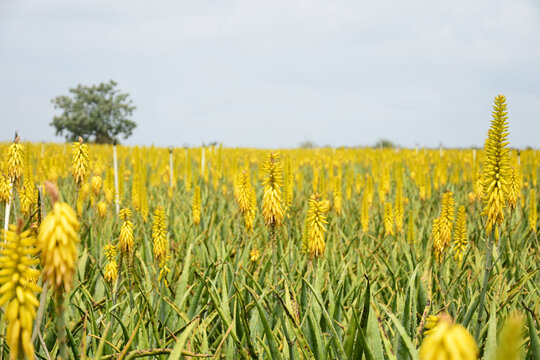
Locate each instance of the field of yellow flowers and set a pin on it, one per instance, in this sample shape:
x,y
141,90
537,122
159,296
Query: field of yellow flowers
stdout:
x,y
115,252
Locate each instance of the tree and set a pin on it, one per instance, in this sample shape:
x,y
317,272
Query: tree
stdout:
x,y
385,144
98,113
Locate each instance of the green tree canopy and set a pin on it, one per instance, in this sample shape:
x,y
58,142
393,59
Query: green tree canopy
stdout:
x,y
98,113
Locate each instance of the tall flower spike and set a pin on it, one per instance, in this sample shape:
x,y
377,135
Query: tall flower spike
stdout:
x,y
442,226
398,209
460,234
159,234
510,338
533,215
315,225
410,229
249,217
496,166
102,209
57,240
17,290
272,201
338,195
15,161
96,183
364,215
80,160
243,191
110,272
196,205
388,219
125,240
5,189
448,341
514,187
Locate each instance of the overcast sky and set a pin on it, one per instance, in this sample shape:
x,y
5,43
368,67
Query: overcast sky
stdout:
x,y
276,73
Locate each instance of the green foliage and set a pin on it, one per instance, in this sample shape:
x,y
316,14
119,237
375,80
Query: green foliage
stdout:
x,y
365,299
384,144
99,113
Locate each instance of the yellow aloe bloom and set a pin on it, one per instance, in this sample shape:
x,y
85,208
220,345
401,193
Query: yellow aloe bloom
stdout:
x,y
431,322
511,338
164,269
388,219
442,226
243,190
17,290
5,189
249,217
410,230
96,183
110,272
338,196
125,240
496,166
254,255
450,341
533,215
272,200
80,160
58,239
315,225
196,206
364,214
514,187
15,161
398,209
159,234
102,209
460,234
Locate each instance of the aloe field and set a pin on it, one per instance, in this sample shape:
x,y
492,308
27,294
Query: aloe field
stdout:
x,y
126,252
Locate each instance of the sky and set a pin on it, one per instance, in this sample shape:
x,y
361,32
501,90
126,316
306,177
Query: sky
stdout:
x,y
273,74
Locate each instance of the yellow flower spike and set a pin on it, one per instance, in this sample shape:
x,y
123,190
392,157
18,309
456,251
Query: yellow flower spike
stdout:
x,y
511,338
315,223
443,225
17,289
272,200
496,168
431,322
410,230
5,189
96,183
449,341
80,161
338,195
164,269
388,219
242,191
249,217
196,206
254,255
514,187
159,234
57,240
125,214
246,198
102,209
533,215
364,215
125,240
398,209
15,160
110,273
460,234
